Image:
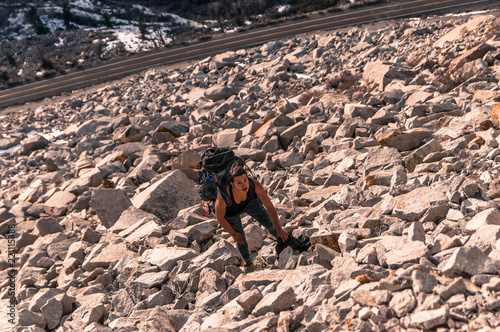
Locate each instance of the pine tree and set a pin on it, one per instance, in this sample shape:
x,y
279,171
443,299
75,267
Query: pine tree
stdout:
x,y
107,20
142,28
36,22
67,16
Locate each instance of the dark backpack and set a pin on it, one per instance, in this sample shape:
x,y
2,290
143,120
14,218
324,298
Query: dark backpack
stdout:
x,y
213,176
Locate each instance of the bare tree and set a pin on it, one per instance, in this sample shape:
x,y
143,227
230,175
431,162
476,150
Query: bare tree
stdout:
x,y
157,30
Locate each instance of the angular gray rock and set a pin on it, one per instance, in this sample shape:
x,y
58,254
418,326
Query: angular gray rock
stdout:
x,y
429,319
200,232
52,312
403,302
33,143
59,203
468,262
380,73
48,226
407,140
166,257
130,217
109,205
166,197
275,302
410,252
219,92
28,318
423,282
249,299
413,205
486,217
152,279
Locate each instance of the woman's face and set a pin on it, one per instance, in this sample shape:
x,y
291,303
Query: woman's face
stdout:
x,y
240,183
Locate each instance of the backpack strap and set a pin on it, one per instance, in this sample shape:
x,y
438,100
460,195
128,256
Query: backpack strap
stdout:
x,y
251,188
225,195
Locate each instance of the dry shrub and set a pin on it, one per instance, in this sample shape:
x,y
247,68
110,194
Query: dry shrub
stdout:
x,y
495,115
179,287
448,80
364,279
485,125
370,180
414,58
342,81
493,29
306,96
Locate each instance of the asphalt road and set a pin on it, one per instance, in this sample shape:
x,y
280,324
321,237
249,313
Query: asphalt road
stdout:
x,y
121,67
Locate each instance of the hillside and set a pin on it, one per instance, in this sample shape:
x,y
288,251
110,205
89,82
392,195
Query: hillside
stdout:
x,y
380,142
44,38
47,38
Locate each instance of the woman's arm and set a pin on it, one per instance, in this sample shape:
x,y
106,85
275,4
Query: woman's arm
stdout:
x,y
266,201
220,212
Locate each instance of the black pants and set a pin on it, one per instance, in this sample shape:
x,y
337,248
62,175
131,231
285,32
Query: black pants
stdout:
x,y
256,210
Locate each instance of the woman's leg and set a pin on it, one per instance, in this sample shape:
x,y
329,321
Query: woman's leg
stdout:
x,y
235,223
258,211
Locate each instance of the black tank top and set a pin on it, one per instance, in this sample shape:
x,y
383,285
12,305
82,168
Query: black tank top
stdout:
x,y
236,208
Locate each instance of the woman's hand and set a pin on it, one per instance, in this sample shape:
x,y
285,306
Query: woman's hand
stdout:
x,y
283,235
238,238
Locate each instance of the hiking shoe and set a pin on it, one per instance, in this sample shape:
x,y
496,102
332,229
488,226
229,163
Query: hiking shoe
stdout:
x,y
249,268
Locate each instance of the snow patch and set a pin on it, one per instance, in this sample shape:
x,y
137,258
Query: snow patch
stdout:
x,y
9,150
284,8
303,76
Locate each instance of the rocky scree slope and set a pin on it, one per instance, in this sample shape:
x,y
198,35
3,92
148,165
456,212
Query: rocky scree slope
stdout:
x,y
380,144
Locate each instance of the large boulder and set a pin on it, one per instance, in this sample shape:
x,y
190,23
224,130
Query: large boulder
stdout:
x,y
413,205
32,143
219,92
460,30
59,203
483,218
468,262
382,73
166,197
406,140
8,142
130,217
166,257
275,302
109,204
217,257
485,238
411,252
381,159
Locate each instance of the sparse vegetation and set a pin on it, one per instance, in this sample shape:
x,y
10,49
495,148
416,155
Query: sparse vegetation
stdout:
x,y
342,81
84,48
4,76
414,59
45,63
179,287
10,58
306,96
